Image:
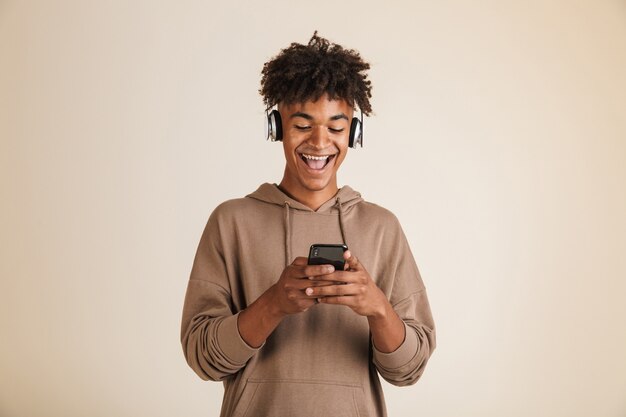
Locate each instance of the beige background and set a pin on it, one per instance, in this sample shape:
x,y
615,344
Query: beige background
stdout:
x,y
499,140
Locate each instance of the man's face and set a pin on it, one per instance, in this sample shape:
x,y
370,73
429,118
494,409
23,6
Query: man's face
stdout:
x,y
315,141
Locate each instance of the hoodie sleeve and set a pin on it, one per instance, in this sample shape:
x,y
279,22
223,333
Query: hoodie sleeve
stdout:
x,y
210,337
406,364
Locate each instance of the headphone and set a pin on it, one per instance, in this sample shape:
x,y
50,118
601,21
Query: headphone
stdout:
x,y
274,129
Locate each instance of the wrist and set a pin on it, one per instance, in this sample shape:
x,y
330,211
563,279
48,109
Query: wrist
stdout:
x,y
388,330
259,320
382,311
273,309
378,317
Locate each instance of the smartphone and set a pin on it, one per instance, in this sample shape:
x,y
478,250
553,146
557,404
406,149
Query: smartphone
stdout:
x,y
328,254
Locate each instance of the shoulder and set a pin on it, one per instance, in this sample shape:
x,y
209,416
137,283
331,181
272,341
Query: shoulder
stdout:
x,y
235,204
368,211
234,208
232,216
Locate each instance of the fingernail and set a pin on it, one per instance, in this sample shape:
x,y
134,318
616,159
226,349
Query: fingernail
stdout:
x,y
311,277
309,291
319,300
330,268
348,254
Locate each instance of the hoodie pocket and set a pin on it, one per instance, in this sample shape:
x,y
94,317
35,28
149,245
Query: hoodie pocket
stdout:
x,y
288,398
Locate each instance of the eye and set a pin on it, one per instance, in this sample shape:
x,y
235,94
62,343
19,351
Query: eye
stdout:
x,y
300,127
334,130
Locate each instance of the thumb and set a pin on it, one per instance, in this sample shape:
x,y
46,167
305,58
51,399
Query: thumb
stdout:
x,y
300,261
352,261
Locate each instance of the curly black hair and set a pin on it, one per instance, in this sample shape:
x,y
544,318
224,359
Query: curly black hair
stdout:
x,y
305,72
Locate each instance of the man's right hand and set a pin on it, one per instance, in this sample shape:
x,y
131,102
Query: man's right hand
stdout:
x,y
288,292
285,297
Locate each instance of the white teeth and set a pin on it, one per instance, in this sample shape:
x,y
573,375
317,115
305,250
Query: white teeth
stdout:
x,y
316,158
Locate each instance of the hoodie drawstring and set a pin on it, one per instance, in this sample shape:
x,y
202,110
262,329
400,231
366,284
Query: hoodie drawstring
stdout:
x,y
287,235
341,225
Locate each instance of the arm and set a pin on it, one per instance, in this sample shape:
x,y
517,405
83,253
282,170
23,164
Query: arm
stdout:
x,y
361,294
285,297
217,338
211,342
403,334
405,365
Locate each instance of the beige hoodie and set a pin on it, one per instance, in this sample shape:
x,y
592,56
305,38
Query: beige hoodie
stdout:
x,y
320,362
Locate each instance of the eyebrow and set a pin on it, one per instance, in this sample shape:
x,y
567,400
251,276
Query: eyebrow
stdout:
x,y
309,117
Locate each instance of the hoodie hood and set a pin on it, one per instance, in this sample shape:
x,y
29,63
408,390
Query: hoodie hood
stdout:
x,y
341,202
270,193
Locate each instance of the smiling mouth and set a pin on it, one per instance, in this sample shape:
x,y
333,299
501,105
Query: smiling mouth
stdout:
x,y
317,162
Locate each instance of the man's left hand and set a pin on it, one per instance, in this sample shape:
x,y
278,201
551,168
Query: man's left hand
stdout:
x,y
359,292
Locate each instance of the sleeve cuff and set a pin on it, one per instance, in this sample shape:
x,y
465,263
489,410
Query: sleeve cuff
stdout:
x,y
402,355
231,342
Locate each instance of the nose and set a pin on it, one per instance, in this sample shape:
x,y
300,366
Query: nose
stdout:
x,y
319,138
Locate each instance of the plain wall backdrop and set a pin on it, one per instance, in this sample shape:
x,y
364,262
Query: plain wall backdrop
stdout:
x,y
498,139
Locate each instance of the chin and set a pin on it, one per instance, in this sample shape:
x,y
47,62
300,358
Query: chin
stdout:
x,y
315,186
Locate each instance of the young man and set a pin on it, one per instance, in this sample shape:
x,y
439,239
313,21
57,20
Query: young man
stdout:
x,y
287,338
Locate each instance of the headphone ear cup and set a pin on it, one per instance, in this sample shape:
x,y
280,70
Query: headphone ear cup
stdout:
x,y
274,126
356,133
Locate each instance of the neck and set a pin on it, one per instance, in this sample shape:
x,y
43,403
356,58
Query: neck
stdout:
x,y
310,198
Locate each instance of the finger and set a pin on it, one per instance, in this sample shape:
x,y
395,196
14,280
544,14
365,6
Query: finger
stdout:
x,y
319,283
302,284
300,260
333,290
339,276
308,304
309,271
352,261
343,300
317,270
